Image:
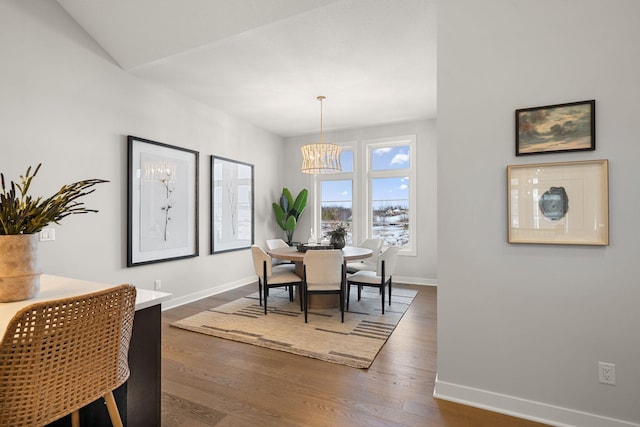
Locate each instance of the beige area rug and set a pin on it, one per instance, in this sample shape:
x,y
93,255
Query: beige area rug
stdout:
x,y
356,342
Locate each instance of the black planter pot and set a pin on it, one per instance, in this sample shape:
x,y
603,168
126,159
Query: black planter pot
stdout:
x,y
337,242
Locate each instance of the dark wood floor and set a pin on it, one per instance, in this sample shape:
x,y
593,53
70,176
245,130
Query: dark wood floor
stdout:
x,y
208,381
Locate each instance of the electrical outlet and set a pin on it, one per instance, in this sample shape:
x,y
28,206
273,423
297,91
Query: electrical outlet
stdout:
x,y
47,234
607,373
157,284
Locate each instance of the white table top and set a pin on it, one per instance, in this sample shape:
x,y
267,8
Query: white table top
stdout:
x,y
56,287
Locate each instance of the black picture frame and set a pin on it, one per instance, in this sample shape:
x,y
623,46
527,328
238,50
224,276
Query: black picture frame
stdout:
x,y
556,128
232,205
162,202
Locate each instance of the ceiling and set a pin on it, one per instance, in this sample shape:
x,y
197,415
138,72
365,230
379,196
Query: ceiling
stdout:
x,y
266,61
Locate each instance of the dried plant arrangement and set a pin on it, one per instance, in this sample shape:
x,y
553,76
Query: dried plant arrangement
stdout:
x,y
20,213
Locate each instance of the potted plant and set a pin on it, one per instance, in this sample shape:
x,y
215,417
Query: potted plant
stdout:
x,y
288,210
338,235
21,219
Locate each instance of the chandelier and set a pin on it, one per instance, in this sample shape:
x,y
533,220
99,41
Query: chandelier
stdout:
x,y
320,157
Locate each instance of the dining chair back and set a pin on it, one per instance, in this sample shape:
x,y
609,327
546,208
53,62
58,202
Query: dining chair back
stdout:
x,y
270,276
368,263
323,274
276,244
60,355
382,276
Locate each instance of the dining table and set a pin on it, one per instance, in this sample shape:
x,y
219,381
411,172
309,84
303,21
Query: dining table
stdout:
x,y
292,254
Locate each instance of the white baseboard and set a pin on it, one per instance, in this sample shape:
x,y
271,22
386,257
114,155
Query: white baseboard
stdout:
x,y
232,285
415,280
206,293
523,408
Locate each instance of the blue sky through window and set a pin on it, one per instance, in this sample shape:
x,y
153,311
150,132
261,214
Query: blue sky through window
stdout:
x,y
387,189
346,161
389,158
336,191
390,192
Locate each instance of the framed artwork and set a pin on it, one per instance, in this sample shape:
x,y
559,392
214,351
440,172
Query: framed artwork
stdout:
x,y
556,128
559,203
231,205
162,202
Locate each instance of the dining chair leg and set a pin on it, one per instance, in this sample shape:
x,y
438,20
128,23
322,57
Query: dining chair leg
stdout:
x,y
116,421
390,290
75,419
306,304
260,291
359,292
265,300
382,289
342,306
348,293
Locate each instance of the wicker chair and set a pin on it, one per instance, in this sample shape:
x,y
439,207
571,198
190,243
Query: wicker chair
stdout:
x,y
58,356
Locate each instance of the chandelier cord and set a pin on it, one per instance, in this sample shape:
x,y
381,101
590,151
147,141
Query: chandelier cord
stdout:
x,y
321,98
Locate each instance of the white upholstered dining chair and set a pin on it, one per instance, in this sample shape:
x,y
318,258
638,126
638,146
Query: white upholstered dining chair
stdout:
x,y
323,274
381,277
276,244
368,263
273,277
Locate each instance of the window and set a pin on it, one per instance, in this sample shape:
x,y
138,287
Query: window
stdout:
x,y
373,196
337,207
390,189
336,198
390,210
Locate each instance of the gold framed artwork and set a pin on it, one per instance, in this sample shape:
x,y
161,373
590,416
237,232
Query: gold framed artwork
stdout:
x,y
564,203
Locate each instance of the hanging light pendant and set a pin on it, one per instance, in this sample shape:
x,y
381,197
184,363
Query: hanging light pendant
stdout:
x,y
320,157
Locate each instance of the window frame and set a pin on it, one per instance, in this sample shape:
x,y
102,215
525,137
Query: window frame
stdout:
x,y
369,146
339,176
361,187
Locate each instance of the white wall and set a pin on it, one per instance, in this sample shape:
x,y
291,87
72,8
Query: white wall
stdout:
x,y
419,269
521,328
65,103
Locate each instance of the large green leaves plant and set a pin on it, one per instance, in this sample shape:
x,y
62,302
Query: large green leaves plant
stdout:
x,y
289,210
22,214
